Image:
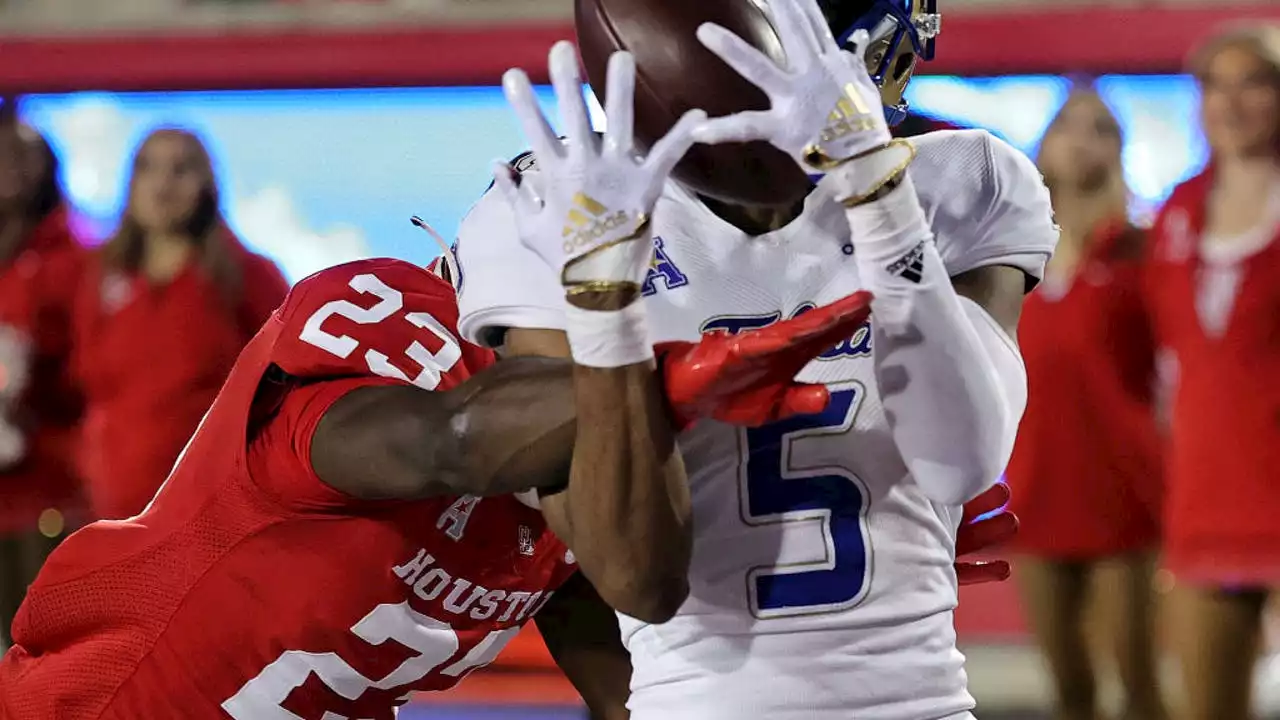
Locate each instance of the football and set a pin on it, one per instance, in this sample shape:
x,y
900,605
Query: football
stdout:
x,y
675,73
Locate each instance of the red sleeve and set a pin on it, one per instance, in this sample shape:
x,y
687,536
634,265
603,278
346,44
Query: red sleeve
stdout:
x,y
63,274
1149,278
280,454
366,323
1136,356
264,289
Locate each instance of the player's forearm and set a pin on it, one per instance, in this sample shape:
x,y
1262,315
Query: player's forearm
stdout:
x,y
506,429
951,381
628,508
628,501
510,429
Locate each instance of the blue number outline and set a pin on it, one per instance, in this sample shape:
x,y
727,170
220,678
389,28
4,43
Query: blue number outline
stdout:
x,y
762,454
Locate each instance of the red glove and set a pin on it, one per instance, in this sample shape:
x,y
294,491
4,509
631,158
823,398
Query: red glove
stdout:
x,y
749,379
977,534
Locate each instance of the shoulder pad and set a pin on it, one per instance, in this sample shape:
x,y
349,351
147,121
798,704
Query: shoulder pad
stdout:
x,y
375,317
986,201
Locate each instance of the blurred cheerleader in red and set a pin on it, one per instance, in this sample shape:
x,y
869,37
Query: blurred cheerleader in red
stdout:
x,y
40,262
1214,292
169,302
1085,472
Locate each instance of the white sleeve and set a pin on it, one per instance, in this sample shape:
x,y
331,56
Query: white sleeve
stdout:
x,y
986,202
503,284
951,381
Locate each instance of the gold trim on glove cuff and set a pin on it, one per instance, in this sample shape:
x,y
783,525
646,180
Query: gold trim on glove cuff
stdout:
x,y
815,157
600,286
891,179
890,183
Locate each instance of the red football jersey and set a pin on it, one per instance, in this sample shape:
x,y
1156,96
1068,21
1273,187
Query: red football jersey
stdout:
x,y
249,588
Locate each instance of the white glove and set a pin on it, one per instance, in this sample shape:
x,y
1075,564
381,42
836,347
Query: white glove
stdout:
x,y
586,213
825,111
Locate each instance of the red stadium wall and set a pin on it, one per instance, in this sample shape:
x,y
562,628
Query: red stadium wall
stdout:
x,y
1084,40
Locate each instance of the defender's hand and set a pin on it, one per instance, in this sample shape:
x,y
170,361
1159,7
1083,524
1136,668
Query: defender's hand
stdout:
x,y
586,212
749,378
980,529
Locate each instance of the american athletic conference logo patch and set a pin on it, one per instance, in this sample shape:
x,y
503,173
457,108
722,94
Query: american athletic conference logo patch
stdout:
x,y
662,269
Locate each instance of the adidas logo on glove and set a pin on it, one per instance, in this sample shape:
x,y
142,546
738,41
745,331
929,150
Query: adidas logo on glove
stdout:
x,y
588,222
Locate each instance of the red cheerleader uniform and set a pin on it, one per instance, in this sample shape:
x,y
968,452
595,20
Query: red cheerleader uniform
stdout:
x,y
151,359
1085,471
1223,513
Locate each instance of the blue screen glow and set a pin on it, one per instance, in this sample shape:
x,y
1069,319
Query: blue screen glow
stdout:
x,y
313,178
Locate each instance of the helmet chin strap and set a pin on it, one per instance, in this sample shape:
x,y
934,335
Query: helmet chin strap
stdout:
x,y
446,251
895,114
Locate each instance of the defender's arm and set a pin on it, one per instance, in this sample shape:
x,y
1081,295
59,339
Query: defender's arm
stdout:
x,y
581,632
507,429
513,427
626,490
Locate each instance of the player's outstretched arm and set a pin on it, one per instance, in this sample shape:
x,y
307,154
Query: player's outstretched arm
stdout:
x,y
586,215
506,429
581,632
626,510
949,375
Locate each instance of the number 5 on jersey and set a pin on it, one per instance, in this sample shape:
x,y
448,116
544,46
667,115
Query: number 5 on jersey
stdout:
x,y
779,488
389,302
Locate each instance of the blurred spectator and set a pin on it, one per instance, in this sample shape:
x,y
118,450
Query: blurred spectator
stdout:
x,y
1085,472
39,265
168,303
1214,292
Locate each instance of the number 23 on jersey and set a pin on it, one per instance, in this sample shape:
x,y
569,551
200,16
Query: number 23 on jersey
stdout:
x,y
389,302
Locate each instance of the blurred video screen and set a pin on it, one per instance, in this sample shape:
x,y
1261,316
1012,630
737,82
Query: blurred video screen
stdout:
x,y
313,178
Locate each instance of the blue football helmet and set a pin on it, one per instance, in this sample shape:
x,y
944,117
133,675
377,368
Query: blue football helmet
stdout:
x,y
903,32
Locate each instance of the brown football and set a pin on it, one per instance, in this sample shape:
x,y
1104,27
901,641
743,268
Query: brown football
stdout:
x,y
675,73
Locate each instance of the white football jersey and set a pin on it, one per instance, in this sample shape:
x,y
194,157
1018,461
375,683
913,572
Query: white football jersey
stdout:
x,y
822,584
